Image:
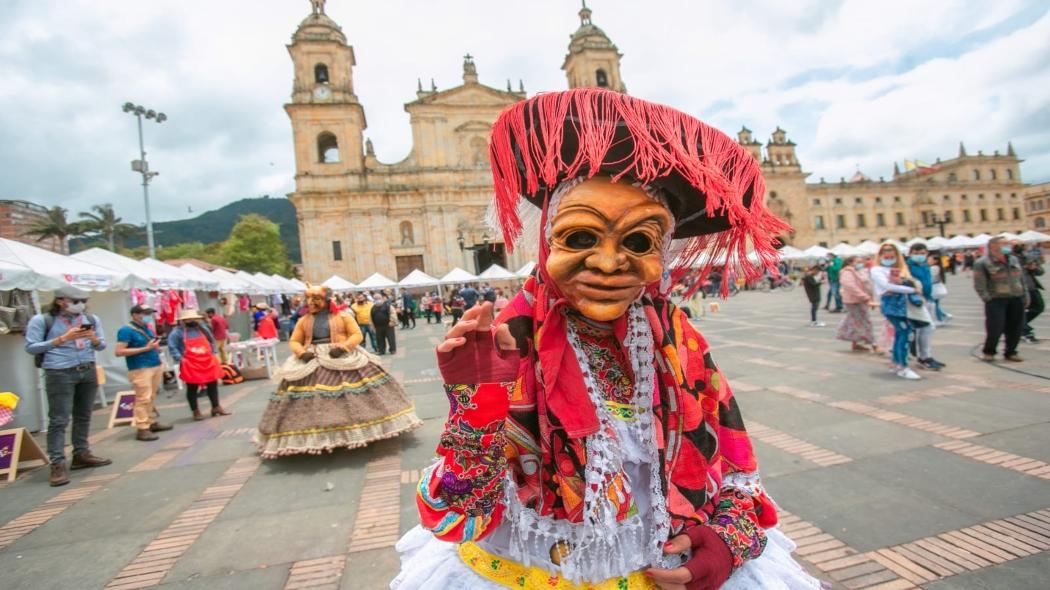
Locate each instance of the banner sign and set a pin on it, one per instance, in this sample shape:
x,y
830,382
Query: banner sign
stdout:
x,y
123,409
18,447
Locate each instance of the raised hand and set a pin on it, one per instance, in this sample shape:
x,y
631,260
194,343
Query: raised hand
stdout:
x,y
476,319
471,351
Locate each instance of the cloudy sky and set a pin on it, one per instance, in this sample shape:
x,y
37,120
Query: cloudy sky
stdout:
x,y
855,82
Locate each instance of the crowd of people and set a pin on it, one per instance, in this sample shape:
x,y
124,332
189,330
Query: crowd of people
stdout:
x,y
908,288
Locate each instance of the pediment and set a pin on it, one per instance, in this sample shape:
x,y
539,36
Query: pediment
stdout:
x,y
474,127
469,95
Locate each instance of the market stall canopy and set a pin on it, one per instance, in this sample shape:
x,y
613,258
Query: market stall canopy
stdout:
x,y
63,269
791,253
497,273
980,239
458,275
1009,235
338,283
140,275
526,270
266,280
203,282
1031,236
231,283
298,284
205,276
289,284
960,241
936,243
17,276
418,278
815,252
377,281
868,247
844,249
257,286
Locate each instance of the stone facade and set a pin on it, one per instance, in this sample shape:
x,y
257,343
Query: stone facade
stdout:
x,y
1037,206
16,217
358,215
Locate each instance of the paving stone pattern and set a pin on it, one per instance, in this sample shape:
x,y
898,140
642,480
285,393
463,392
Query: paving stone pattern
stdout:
x,y
884,484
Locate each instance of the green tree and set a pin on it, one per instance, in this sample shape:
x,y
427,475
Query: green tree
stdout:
x,y
55,225
102,221
255,245
206,252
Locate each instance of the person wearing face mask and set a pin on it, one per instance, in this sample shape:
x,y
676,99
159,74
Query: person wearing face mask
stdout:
x,y
591,439
857,297
332,393
919,268
999,282
139,345
192,346
893,284
64,341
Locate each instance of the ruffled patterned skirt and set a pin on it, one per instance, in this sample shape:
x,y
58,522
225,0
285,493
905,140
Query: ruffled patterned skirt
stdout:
x,y
327,403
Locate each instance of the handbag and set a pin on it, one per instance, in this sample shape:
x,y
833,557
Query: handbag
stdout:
x,y
918,313
940,291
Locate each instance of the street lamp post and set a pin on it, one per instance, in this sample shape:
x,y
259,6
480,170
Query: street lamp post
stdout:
x,y
142,166
938,222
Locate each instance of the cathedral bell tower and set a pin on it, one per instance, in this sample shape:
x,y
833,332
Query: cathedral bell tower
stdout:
x,y
593,60
327,119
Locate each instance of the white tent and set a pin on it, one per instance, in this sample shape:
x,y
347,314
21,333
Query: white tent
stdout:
x,y
221,283
257,287
268,281
458,275
815,252
937,243
868,247
844,249
201,281
140,275
66,270
298,284
376,281
288,284
959,241
1010,236
1031,236
232,283
526,269
497,273
17,276
338,283
791,253
980,239
418,278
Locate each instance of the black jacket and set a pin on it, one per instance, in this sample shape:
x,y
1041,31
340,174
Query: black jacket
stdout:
x,y
381,314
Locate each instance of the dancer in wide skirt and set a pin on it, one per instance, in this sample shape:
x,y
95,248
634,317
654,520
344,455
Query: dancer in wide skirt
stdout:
x,y
332,393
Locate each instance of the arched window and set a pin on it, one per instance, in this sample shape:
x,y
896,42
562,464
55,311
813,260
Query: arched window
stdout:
x,y
1009,174
408,237
321,74
479,151
991,174
976,174
1040,223
601,78
952,177
327,148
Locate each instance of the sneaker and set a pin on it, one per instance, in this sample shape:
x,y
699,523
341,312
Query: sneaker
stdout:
x,y
988,358
929,364
907,373
937,363
1013,358
816,324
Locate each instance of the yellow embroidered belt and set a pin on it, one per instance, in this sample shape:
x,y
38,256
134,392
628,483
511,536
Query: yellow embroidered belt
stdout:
x,y
512,574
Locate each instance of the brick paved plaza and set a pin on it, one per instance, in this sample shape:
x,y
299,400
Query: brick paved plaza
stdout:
x,y
884,483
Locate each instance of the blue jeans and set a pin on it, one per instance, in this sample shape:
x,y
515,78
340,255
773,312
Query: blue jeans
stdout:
x,y
834,292
901,336
368,333
70,393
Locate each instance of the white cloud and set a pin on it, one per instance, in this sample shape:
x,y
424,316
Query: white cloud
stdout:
x,y
853,81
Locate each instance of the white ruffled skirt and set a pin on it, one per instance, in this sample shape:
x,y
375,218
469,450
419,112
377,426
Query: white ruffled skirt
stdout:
x,y
428,563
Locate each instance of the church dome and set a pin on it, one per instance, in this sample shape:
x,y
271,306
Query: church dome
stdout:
x,y
589,35
318,27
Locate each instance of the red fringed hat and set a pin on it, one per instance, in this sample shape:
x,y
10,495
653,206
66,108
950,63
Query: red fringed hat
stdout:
x,y
712,185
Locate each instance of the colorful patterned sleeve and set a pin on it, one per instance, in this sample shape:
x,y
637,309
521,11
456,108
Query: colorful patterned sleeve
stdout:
x,y
460,497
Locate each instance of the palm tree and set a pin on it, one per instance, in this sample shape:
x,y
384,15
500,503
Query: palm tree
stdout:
x,y
105,223
55,225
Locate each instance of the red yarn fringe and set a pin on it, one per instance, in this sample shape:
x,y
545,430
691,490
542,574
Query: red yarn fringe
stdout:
x,y
665,140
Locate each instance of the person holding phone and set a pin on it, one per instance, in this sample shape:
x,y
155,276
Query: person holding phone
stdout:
x,y
139,345
64,340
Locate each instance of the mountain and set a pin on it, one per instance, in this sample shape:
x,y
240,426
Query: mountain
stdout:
x,y
215,226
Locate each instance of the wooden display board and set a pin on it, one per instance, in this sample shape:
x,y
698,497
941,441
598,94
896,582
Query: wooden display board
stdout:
x,y
123,409
17,447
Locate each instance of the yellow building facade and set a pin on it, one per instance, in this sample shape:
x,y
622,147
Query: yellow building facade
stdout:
x,y
358,215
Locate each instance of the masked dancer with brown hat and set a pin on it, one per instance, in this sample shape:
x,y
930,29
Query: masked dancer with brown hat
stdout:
x,y
332,393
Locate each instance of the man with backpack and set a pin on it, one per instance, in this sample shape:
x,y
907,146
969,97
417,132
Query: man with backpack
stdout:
x,y
64,340
139,346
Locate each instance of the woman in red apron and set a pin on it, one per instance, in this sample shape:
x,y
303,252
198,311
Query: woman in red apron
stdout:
x,y
193,347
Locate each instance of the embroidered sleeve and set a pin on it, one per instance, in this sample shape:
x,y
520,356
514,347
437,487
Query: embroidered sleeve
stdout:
x,y
736,521
459,497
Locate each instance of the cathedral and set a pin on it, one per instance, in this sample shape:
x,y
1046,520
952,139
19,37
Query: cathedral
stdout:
x,y
358,215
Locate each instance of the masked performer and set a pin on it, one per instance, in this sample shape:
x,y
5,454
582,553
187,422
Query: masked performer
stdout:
x,y
332,393
592,442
